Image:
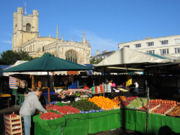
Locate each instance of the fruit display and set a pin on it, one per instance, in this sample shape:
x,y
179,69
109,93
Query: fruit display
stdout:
x,y
160,106
162,109
160,101
137,103
164,106
99,103
63,109
151,107
50,116
104,103
123,101
85,105
175,111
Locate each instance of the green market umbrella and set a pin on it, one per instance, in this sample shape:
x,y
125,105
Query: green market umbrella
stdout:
x,y
47,63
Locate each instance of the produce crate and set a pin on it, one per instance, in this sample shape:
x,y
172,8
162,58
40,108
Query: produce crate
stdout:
x,y
13,124
175,111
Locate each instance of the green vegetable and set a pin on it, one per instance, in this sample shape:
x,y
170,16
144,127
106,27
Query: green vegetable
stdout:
x,y
85,105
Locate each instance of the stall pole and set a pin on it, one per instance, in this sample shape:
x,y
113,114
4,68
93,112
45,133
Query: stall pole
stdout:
x,y
49,100
147,111
104,76
32,81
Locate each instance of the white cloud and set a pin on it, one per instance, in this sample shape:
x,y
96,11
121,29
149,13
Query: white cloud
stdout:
x,y
7,41
97,42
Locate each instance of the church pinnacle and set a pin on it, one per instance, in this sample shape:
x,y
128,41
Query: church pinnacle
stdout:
x,y
62,37
84,38
57,32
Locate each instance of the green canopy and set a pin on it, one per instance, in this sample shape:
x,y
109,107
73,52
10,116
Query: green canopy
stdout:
x,y
47,63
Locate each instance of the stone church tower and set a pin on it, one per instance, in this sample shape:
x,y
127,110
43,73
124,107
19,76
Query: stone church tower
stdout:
x,y
24,28
26,38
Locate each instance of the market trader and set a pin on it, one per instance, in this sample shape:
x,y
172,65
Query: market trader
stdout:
x,y
30,105
136,87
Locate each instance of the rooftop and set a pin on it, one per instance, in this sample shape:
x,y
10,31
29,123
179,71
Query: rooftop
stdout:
x,y
149,39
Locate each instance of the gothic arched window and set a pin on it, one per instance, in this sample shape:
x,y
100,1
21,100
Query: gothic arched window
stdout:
x,y
71,55
28,27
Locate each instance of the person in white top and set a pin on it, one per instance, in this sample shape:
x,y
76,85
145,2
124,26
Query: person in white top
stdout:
x,y
136,86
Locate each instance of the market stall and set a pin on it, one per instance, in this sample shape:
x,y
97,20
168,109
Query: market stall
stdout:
x,y
121,112
128,60
128,113
47,63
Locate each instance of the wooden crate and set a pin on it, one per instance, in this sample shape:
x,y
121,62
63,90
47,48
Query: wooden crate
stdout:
x,y
13,124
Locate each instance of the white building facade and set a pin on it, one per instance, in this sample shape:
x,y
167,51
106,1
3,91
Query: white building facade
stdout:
x,y
163,46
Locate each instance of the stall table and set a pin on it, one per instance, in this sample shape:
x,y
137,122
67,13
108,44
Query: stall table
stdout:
x,y
89,123
6,98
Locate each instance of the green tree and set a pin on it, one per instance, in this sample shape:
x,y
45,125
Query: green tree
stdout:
x,y
9,57
95,61
24,55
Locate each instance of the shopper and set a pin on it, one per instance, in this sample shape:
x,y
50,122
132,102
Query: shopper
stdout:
x,y
136,86
30,105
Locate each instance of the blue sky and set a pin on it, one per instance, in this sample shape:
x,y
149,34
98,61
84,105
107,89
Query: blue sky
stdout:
x,y
105,22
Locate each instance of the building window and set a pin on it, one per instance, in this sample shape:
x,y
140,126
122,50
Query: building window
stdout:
x,y
71,55
163,42
177,50
137,45
28,27
151,51
127,46
150,43
164,51
177,40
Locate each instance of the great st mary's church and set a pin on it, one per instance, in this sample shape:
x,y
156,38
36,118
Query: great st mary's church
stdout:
x,y
26,38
